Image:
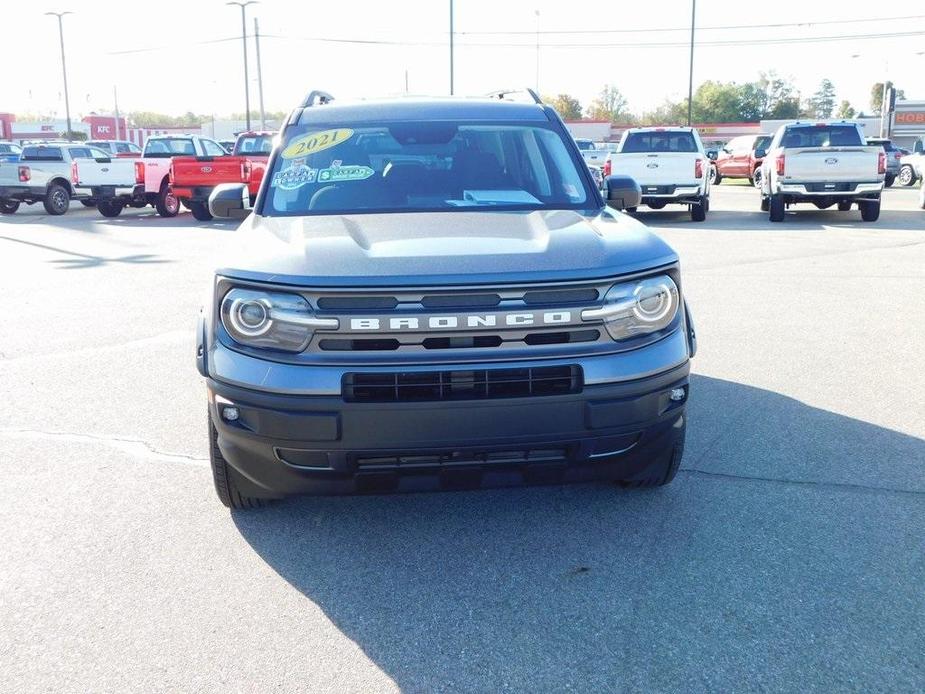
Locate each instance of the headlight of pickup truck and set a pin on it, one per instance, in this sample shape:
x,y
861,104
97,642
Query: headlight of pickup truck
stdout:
x,y
637,308
272,320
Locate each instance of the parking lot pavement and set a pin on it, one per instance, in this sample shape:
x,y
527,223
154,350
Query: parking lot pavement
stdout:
x,y
788,554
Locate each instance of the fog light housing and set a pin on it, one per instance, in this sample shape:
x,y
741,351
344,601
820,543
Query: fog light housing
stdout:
x,y
230,413
677,394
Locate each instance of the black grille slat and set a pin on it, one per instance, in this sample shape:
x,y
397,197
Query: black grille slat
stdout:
x,y
462,384
461,301
451,459
561,297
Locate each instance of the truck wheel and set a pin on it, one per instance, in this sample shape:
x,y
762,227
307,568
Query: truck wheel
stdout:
x,y
776,208
225,485
906,176
889,180
656,204
715,176
844,206
88,203
57,200
167,204
699,211
8,206
631,210
765,204
200,211
756,178
870,210
109,208
658,475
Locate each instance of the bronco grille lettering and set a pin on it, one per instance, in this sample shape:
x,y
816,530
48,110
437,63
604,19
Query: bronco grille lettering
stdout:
x,y
455,322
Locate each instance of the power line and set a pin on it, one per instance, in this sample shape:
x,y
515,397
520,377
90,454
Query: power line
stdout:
x,y
152,49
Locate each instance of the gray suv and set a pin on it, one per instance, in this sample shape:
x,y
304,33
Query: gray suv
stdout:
x,y
434,294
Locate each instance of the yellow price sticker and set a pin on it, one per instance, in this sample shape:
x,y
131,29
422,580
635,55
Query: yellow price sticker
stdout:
x,y
316,142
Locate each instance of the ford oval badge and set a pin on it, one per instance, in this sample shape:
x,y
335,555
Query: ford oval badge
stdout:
x,y
206,169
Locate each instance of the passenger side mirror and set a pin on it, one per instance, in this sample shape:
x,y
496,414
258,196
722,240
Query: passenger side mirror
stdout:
x,y
230,201
712,154
760,153
623,192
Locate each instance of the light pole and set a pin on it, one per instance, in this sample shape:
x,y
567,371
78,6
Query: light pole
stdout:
x,y
247,95
451,47
537,13
67,103
884,102
690,77
263,115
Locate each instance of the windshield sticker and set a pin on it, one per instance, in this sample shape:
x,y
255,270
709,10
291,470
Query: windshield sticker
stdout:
x,y
295,177
316,142
339,172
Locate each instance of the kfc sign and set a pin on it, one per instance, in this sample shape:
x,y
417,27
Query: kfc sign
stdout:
x,y
103,129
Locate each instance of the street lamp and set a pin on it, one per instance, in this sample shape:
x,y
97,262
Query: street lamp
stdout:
x,y
247,95
67,104
690,75
537,13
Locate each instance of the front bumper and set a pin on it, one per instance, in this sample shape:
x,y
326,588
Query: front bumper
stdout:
x,y
283,444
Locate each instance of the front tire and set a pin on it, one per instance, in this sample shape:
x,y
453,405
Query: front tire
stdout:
x,y
657,205
699,211
906,176
765,204
756,178
223,477
8,206
870,210
889,180
776,208
88,203
200,211
844,206
109,208
715,177
167,204
57,200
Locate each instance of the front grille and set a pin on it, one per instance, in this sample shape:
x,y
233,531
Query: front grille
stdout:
x,y
457,341
450,459
477,384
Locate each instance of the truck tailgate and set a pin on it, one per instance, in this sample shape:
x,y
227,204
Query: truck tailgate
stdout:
x,y
117,172
830,164
207,171
595,157
658,168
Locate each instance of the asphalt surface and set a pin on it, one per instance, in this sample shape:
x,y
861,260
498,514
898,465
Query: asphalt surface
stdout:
x,y
788,555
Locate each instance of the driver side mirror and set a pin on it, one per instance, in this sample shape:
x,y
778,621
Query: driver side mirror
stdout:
x,y
712,154
622,192
230,201
761,153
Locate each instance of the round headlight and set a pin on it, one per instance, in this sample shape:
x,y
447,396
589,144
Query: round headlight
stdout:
x,y
250,317
653,301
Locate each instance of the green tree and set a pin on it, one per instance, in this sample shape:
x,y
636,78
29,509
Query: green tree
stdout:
x,y
76,136
566,106
822,102
876,95
610,105
669,113
845,110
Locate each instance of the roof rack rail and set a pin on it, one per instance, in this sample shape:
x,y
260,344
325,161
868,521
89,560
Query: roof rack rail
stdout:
x,y
501,93
316,95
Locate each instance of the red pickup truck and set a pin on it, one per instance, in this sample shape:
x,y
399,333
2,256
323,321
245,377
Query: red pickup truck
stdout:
x,y
741,158
192,179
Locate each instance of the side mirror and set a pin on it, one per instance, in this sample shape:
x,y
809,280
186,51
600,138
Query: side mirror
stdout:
x,y
919,147
230,201
712,154
622,192
761,153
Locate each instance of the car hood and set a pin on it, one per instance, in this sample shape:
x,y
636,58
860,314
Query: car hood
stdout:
x,y
442,248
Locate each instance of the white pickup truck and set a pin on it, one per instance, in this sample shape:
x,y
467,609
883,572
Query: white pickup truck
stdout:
x,y
824,164
670,166
55,173
153,169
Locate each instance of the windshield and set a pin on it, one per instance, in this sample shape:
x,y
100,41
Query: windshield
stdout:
x,y
822,136
763,142
423,166
660,141
255,144
584,145
169,147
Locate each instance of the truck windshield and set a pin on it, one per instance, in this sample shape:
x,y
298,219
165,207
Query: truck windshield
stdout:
x,y
255,144
423,166
170,147
821,136
659,141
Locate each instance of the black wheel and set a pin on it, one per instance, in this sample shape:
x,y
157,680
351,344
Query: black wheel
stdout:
x,y
906,176
223,477
657,205
870,210
765,204
8,206
823,204
922,196
110,208
715,176
699,210
167,204
57,199
776,208
631,210
659,474
755,180
844,206
200,211
88,203
889,180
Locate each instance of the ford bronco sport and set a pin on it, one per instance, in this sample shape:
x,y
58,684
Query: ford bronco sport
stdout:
x,y
433,294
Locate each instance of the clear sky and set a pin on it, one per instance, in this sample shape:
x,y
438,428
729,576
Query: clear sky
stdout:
x,y
172,56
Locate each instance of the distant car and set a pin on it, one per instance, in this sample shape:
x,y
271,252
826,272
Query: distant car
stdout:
x,y
893,155
584,143
122,149
9,151
911,168
597,175
741,157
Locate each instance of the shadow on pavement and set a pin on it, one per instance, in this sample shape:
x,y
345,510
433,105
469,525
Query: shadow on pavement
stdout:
x,y
79,261
727,579
797,219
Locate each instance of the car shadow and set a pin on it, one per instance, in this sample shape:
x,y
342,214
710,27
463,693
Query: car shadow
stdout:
x,y
799,219
787,554
80,261
76,220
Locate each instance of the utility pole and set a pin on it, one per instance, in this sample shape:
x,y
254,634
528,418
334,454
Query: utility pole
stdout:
x,y
451,47
115,99
247,95
263,115
690,77
67,103
537,12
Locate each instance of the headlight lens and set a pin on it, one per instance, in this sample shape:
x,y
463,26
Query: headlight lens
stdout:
x,y
271,320
637,308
